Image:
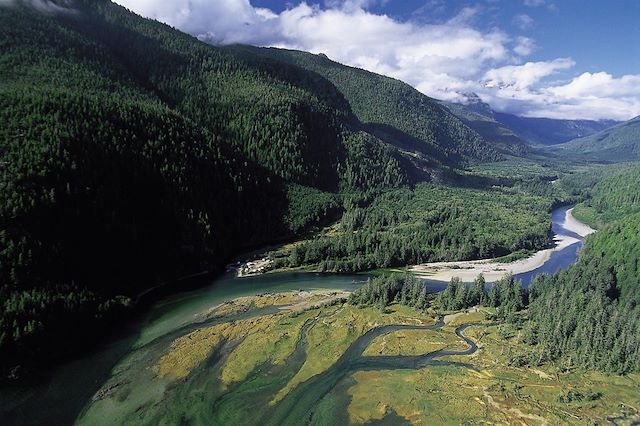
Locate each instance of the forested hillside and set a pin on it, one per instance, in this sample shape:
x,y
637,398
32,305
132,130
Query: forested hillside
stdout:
x,y
613,198
132,154
482,120
619,143
589,315
392,110
549,131
428,223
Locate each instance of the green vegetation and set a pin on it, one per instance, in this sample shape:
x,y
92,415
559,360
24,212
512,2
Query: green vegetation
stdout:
x,y
506,295
383,290
611,199
616,144
589,315
132,154
394,111
309,206
520,168
254,369
428,223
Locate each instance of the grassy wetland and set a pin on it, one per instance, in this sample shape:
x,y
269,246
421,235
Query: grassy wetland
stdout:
x,y
312,357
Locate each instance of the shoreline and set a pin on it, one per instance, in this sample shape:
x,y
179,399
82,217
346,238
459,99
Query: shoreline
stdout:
x,y
574,225
492,270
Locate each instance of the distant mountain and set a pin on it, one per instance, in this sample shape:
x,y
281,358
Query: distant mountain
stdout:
x,y
549,131
511,134
618,143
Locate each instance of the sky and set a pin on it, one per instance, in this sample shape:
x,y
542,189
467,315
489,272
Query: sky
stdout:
x,y
568,59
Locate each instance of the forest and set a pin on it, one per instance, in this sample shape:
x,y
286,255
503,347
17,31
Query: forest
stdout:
x,y
132,154
507,294
424,224
612,198
589,315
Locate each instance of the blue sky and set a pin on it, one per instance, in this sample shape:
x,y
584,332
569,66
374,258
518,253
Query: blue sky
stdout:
x,y
596,34
545,58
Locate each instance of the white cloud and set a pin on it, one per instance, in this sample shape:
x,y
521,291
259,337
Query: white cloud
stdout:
x,y
442,60
523,21
600,84
521,77
534,3
588,96
524,46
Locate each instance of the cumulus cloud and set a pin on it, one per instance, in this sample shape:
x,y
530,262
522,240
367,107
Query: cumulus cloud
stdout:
x,y
442,59
524,46
521,77
588,96
523,21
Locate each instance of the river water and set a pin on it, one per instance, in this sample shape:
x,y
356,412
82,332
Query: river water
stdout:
x,y
60,397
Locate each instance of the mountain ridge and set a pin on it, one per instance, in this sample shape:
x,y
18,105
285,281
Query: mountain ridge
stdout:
x,y
619,143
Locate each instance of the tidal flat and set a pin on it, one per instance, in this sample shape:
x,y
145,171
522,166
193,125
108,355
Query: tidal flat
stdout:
x,y
301,357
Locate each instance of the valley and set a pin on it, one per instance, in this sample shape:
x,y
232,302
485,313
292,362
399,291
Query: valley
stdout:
x,y
290,345
196,231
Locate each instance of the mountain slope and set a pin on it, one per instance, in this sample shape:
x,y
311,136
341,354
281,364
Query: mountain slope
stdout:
x,y
611,199
548,131
479,117
619,143
392,110
132,153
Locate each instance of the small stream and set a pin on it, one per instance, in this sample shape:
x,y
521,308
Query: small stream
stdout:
x,y
301,401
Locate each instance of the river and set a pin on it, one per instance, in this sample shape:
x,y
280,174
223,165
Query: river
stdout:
x,y
59,397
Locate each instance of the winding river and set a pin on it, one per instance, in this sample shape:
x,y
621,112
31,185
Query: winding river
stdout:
x,y
61,397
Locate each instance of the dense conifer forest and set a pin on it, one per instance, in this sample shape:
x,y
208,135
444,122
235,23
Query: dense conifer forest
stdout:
x,y
422,224
132,154
589,315
612,198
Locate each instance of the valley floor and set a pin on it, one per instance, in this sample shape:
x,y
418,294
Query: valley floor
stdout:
x,y
492,269
278,358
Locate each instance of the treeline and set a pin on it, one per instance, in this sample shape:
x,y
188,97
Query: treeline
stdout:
x,y
386,289
507,295
428,223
